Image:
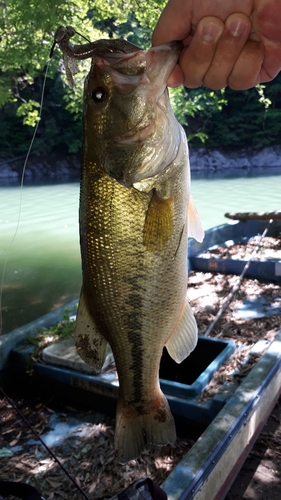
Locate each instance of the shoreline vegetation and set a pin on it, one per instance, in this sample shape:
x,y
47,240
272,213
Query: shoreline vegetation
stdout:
x,y
226,129
67,166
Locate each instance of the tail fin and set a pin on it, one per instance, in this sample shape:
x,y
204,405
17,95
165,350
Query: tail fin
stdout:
x,y
134,428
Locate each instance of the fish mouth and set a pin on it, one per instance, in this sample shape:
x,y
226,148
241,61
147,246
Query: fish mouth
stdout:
x,y
142,133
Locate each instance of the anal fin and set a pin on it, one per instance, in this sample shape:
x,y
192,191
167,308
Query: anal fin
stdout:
x,y
184,338
89,342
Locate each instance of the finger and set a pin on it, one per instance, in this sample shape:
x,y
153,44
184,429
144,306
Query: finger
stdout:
x,y
236,32
272,62
174,23
266,24
176,78
247,70
196,59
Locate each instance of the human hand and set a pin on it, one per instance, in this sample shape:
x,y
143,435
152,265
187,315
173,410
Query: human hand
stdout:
x,y
235,43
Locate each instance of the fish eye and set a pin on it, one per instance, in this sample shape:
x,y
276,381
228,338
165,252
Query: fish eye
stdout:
x,y
99,94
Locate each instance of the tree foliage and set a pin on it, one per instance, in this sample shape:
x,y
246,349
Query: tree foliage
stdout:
x,y
220,119
241,119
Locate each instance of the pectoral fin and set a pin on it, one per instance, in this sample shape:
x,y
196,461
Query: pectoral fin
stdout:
x,y
90,343
159,222
195,229
184,338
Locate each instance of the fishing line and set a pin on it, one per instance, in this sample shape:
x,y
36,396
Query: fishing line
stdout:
x,y
2,284
10,401
22,177
21,193
56,41
85,38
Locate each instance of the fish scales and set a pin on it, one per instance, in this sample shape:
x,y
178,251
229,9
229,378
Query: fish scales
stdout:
x,y
121,292
129,289
135,215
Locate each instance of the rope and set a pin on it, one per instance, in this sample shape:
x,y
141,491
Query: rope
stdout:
x,y
237,284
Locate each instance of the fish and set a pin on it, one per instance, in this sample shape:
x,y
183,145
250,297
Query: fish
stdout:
x,y
135,215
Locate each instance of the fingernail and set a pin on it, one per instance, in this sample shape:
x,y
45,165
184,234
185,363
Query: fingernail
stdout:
x,y
237,27
210,31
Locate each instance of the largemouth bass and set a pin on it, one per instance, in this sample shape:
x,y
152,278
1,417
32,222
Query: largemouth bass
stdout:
x,y
135,215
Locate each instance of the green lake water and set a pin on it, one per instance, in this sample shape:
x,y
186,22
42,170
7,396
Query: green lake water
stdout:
x,y
43,269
